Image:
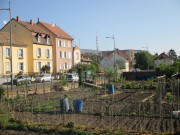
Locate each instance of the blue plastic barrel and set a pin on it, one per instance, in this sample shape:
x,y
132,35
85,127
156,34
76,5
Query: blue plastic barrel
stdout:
x,y
78,105
111,89
64,104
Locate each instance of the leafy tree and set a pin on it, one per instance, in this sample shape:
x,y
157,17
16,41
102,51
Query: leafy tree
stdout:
x,y
172,54
112,75
144,60
169,70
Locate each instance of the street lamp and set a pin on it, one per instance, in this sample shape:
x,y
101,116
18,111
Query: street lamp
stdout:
x,y
10,43
114,48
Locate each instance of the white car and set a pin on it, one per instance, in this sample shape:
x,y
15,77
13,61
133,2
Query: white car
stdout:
x,y
43,78
73,77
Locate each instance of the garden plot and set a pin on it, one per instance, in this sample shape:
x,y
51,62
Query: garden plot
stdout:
x,y
137,111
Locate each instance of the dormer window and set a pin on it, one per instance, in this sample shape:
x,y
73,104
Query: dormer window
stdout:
x,y
47,40
39,38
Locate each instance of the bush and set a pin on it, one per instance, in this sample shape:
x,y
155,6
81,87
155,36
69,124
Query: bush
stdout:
x,y
1,92
4,116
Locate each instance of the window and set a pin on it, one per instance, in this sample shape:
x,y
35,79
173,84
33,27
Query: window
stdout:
x,y
39,52
7,52
7,66
59,43
69,44
77,56
69,55
69,65
60,54
48,64
20,53
38,65
47,53
20,66
65,55
39,39
64,43
48,40
60,66
65,66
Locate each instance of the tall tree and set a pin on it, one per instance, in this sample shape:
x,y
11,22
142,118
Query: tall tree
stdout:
x,y
172,54
144,60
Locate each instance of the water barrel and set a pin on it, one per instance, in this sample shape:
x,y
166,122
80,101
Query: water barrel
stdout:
x,y
111,89
64,104
78,105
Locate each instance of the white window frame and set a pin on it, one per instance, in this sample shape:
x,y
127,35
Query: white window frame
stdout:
x,y
20,66
7,52
69,55
65,65
39,67
48,40
20,53
47,53
48,64
60,54
39,52
59,43
8,67
39,39
60,65
65,55
69,65
64,43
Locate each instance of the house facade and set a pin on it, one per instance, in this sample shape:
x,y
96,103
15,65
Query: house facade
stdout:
x,y
76,55
19,55
163,59
62,47
39,44
112,58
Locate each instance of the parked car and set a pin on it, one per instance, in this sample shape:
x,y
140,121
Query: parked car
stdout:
x,y
72,77
43,78
22,79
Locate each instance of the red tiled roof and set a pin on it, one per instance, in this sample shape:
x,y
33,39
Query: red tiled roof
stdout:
x,y
163,56
32,27
56,30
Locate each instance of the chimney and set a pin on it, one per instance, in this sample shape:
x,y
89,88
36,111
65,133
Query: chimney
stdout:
x,y
18,18
38,20
31,21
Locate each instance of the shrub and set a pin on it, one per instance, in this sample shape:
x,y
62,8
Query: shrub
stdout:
x,y
1,92
4,116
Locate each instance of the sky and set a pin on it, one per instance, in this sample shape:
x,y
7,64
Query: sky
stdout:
x,y
152,25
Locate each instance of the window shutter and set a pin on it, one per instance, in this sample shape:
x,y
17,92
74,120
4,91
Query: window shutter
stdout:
x,y
22,52
67,66
37,65
62,54
24,67
41,52
37,52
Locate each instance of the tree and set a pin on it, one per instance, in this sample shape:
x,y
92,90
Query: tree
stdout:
x,y
144,60
172,54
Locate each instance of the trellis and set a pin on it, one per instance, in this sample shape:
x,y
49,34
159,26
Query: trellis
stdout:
x,y
161,84
176,91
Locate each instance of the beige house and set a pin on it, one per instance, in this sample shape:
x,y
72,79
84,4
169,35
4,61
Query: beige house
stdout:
x,y
76,55
62,47
19,55
39,44
163,59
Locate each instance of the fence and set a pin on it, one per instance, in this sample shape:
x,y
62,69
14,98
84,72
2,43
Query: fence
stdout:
x,y
125,108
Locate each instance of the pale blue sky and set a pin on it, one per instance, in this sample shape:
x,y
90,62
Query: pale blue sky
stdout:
x,y
134,23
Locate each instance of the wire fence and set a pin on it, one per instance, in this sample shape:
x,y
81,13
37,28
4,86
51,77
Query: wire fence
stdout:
x,y
135,106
